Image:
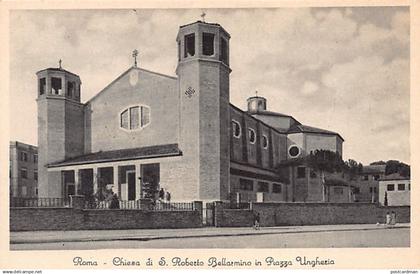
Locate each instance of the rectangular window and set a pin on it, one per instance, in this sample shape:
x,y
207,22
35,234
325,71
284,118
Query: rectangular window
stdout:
x,y
56,85
356,190
390,187
24,191
208,43
189,45
24,173
124,119
42,86
366,178
223,51
276,188
35,158
245,184
338,190
376,177
23,156
70,89
145,116
370,189
134,118
401,187
263,187
36,175
301,172
179,50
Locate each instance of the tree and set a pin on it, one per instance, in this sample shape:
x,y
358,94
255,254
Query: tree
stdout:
x,y
353,168
394,166
386,199
325,161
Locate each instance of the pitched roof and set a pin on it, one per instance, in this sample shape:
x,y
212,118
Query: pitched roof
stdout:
x,y
122,75
308,129
270,113
59,70
122,155
373,169
394,177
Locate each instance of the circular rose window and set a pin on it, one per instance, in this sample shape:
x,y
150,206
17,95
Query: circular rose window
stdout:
x,y
294,151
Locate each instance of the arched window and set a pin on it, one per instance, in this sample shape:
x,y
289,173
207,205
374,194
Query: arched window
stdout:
x,y
236,129
135,117
251,135
264,141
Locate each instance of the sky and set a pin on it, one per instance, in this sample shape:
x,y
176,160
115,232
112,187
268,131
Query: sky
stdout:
x,y
340,69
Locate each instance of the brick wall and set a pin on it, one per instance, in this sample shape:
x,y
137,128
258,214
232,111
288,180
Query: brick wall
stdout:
x,y
234,218
276,214
26,219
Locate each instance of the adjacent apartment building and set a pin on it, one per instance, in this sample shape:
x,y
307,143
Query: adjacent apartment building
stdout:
x,y
23,173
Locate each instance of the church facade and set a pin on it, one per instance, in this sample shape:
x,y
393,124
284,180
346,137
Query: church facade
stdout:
x,y
148,130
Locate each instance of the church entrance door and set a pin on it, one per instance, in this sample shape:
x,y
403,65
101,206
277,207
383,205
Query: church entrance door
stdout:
x,y
131,184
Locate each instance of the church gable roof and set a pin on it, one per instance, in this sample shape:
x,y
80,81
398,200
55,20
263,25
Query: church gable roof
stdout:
x,y
307,129
152,73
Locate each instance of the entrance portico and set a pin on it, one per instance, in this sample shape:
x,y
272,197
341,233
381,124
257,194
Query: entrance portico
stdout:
x,y
131,179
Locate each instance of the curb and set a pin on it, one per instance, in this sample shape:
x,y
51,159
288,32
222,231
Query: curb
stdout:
x,y
150,238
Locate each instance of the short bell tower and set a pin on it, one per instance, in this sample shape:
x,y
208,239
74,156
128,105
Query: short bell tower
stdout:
x,y
60,125
203,73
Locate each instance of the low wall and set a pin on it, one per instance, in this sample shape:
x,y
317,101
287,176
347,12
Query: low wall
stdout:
x,y
26,219
233,217
278,214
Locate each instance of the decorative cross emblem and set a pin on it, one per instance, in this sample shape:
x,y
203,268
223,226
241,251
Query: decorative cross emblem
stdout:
x,y
256,93
135,53
59,64
203,15
189,92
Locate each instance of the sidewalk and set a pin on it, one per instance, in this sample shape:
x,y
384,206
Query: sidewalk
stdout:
x,y
156,234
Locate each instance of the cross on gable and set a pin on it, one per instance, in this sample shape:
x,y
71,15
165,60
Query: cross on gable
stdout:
x,y
135,54
203,15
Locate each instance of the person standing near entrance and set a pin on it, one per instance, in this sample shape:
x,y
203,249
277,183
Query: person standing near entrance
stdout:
x,y
257,221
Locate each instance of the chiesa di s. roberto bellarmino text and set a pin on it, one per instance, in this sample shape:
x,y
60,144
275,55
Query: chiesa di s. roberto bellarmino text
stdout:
x,y
178,133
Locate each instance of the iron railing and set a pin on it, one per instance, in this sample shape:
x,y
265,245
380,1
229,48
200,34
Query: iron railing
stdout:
x,y
39,202
138,205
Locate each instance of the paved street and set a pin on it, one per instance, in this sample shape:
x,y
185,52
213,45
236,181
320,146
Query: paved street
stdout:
x,y
270,237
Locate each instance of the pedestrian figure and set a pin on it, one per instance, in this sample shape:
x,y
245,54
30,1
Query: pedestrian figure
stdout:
x,y
168,197
388,218
161,194
115,202
257,221
393,218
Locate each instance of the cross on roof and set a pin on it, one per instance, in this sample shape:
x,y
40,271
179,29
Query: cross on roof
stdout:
x,y
59,64
135,53
256,93
203,15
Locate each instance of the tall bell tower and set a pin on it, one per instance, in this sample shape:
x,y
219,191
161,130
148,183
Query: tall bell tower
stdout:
x,y
203,73
60,125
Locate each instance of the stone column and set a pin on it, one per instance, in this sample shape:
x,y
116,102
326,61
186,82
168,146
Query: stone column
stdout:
x,y
218,213
116,179
138,182
95,180
77,185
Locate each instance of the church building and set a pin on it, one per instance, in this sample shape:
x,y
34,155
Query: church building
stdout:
x,y
146,131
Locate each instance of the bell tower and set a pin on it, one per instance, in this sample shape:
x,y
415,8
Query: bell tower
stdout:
x,y
203,73
60,125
